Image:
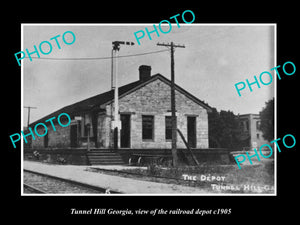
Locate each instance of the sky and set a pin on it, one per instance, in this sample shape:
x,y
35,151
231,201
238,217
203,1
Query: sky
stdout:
x,y
215,58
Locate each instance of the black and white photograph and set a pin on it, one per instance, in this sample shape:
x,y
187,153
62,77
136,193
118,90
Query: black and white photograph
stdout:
x,y
148,109
139,111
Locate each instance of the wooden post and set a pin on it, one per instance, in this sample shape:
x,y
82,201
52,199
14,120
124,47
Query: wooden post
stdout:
x,y
173,103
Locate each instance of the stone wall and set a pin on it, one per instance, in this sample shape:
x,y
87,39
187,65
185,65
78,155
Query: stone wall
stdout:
x,y
104,128
58,156
154,99
56,139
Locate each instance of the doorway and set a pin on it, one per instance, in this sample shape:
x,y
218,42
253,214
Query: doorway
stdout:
x,y
191,131
125,131
73,136
46,140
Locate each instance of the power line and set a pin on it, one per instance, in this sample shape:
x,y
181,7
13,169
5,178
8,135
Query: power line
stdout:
x,y
100,58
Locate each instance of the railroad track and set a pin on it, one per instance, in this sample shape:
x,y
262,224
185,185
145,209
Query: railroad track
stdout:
x,y
39,183
30,189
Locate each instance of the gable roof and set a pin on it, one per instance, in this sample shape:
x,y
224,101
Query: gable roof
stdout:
x,y
94,103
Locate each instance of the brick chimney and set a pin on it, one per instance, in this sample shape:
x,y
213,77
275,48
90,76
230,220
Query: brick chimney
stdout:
x,y
145,72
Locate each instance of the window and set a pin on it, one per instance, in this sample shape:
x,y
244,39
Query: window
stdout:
x,y
85,134
257,125
191,131
257,136
168,122
79,127
147,127
246,125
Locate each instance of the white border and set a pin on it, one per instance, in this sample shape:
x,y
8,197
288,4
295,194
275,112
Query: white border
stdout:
x,y
147,24
275,110
22,106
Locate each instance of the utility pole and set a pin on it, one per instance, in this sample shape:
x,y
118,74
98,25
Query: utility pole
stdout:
x,y
29,107
173,103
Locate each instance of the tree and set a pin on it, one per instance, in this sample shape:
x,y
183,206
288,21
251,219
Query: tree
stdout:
x,y
224,129
267,120
213,131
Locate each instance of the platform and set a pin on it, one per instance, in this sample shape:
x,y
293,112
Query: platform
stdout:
x,y
114,183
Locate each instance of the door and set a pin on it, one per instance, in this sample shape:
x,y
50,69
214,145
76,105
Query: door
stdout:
x,y
125,131
191,131
73,136
46,140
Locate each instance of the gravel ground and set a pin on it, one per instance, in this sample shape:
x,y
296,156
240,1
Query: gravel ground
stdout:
x,y
52,186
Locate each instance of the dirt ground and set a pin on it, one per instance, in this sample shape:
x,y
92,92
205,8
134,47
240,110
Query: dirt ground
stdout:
x,y
251,179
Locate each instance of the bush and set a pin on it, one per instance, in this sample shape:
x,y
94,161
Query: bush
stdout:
x,y
36,155
153,169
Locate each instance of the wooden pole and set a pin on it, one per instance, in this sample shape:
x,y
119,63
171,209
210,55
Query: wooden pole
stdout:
x,y
29,107
173,103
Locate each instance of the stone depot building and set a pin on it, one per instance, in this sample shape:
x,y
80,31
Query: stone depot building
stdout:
x,y
145,114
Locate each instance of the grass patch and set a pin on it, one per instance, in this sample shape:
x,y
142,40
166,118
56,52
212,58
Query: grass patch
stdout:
x,y
260,176
251,179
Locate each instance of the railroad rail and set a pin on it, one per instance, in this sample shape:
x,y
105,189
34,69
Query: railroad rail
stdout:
x,y
39,183
31,189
